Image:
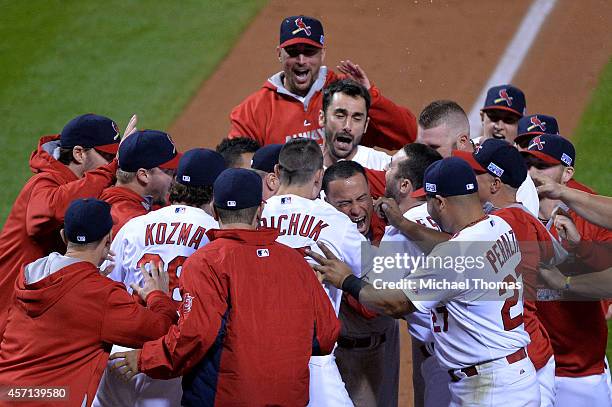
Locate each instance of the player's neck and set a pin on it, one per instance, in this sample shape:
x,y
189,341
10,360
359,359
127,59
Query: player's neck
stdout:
x,y
329,159
546,207
77,169
503,199
408,203
307,190
132,186
467,215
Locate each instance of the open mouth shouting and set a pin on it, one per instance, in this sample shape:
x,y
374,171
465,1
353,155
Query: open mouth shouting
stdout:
x,y
343,143
362,225
302,76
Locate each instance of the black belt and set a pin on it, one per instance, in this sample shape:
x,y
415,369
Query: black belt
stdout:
x,y
366,342
472,371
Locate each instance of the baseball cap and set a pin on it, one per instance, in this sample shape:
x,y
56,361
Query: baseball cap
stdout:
x,y
199,167
552,149
450,176
301,30
87,220
148,149
505,97
266,157
237,188
497,158
91,131
533,125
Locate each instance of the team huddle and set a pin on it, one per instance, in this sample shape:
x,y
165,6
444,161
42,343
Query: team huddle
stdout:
x,y
273,271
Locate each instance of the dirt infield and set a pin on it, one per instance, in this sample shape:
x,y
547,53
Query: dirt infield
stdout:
x,y
418,51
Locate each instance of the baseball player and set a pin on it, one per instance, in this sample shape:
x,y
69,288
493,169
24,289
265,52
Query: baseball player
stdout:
x,y
404,185
344,118
169,235
302,221
368,347
480,341
443,126
503,107
147,165
65,314
77,163
288,104
534,125
253,313
577,329
500,171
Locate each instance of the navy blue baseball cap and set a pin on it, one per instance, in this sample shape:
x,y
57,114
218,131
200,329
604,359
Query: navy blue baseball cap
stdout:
x,y
91,131
199,167
301,30
505,97
266,157
148,149
87,220
534,125
237,188
552,149
499,159
449,177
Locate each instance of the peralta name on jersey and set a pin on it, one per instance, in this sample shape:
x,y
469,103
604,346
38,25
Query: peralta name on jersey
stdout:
x,y
503,249
316,134
178,233
296,225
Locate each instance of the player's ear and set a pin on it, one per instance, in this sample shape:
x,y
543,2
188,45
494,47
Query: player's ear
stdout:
x,y
78,154
463,143
143,176
63,235
278,53
405,187
568,173
272,181
496,185
321,118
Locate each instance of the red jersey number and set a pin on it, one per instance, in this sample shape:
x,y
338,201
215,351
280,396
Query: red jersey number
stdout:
x,y
443,312
509,322
174,268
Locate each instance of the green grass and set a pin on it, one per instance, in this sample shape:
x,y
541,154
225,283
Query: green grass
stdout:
x,y
593,142
64,58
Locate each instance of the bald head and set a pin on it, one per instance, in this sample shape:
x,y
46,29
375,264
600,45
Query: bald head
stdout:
x,y
444,126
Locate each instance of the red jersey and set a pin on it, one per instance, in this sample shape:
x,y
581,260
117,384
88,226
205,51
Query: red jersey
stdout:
x,y
578,329
536,247
125,205
31,230
62,324
253,313
274,115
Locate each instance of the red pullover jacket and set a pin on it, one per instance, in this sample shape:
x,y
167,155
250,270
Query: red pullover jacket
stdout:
x,y
272,115
63,322
253,313
32,228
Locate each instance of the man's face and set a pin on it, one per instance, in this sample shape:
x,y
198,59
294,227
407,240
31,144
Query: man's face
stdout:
x,y
351,196
439,138
500,124
392,182
301,64
345,122
555,172
159,184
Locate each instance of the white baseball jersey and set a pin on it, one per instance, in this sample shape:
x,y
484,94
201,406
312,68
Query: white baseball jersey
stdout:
x,y
169,234
302,222
467,328
418,322
371,158
527,194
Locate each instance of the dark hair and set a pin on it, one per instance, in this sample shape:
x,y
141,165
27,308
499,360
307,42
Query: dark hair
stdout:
x,y
348,87
65,155
232,149
418,158
438,110
191,195
245,215
342,170
298,161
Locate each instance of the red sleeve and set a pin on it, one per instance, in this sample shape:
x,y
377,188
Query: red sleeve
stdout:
x,y
49,201
128,323
376,181
594,247
391,126
202,315
244,123
327,326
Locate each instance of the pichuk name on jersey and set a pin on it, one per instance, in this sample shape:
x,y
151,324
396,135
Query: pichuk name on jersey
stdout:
x,y
178,233
296,224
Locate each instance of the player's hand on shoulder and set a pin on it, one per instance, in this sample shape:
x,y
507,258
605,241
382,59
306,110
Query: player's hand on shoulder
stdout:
x,y
126,365
155,279
331,269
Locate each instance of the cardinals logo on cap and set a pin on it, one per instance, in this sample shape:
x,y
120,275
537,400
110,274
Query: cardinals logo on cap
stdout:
x,y
504,97
301,26
537,142
536,122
